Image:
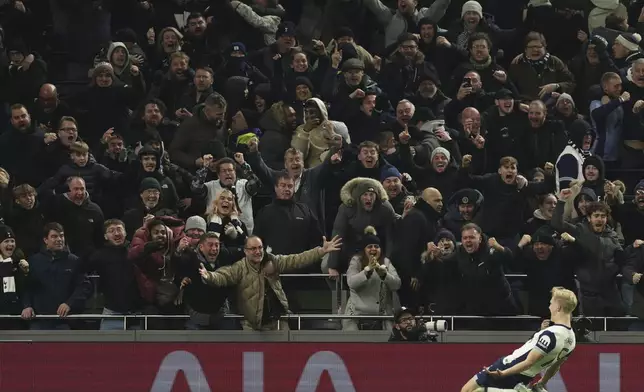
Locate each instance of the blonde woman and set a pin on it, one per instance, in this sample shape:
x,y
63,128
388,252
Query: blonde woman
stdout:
x,y
223,220
373,281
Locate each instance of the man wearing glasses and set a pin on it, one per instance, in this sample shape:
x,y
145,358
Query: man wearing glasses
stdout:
x,y
260,296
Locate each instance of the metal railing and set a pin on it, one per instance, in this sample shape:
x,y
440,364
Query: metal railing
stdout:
x,y
300,317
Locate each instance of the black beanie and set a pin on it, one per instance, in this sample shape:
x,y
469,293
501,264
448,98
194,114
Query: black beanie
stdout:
x,y
150,183
6,232
544,234
370,237
343,32
303,80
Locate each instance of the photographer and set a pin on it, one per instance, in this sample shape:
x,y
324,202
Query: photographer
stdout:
x,y
407,329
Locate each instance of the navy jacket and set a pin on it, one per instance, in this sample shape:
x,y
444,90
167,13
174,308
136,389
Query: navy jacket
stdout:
x,y
56,278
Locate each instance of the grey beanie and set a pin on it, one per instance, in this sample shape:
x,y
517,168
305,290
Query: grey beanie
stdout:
x,y
195,222
441,150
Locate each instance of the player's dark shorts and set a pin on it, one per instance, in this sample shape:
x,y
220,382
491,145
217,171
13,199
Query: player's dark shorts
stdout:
x,y
486,380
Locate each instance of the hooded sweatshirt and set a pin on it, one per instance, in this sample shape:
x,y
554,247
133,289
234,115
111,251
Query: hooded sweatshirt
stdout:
x,y
314,143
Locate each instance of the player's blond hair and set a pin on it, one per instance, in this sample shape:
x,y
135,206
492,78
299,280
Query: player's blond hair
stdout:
x,y
566,298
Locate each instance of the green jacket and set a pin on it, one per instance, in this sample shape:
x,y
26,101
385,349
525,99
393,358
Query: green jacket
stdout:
x,y
250,282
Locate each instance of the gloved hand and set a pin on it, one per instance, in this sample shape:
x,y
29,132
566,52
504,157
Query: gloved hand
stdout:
x,y
230,230
153,246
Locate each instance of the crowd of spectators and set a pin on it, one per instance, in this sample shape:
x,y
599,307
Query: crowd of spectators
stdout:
x,y
188,152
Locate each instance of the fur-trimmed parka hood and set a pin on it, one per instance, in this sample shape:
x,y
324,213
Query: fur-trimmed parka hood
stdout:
x,y
352,190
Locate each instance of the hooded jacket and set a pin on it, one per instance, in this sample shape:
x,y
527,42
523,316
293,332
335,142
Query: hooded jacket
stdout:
x,y
314,143
123,73
352,219
150,268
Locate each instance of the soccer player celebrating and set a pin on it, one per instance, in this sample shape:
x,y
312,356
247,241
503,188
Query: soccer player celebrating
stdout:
x,y
547,350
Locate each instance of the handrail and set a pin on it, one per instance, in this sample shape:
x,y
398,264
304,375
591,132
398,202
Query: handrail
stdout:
x,y
94,276
300,317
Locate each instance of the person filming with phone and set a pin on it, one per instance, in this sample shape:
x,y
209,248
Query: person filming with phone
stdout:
x,y
470,94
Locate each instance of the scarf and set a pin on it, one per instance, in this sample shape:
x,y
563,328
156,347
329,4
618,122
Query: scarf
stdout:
x,y
478,65
581,152
7,275
216,225
461,40
538,65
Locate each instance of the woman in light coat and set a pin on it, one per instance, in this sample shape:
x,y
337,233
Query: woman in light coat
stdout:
x,y
373,281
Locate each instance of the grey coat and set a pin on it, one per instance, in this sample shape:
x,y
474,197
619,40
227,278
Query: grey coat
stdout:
x,y
365,286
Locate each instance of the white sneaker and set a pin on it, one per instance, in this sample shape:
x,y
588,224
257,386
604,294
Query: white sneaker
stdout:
x,y
522,388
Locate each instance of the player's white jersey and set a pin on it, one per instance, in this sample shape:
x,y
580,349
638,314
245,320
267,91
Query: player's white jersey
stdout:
x,y
555,342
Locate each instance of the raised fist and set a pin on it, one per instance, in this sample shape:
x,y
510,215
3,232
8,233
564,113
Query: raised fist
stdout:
x,y
467,161
565,194
404,137
567,237
525,240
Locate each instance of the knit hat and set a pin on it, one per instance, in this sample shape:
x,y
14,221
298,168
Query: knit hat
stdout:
x,y
149,183
566,96
444,233
349,51
286,28
238,47
103,67
5,233
472,6
195,222
640,185
363,188
352,64
388,172
343,32
596,161
370,237
303,80
440,150
629,41
545,234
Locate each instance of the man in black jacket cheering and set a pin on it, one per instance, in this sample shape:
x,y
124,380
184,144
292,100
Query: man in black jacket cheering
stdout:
x,y
206,305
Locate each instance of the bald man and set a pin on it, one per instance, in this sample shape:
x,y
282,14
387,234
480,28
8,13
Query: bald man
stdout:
x,y
471,121
47,110
543,141
413,232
